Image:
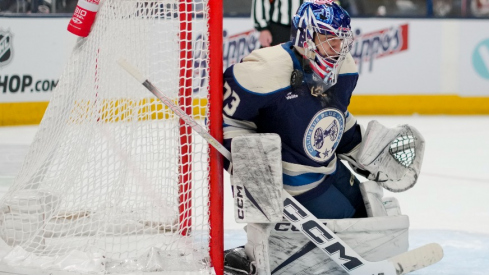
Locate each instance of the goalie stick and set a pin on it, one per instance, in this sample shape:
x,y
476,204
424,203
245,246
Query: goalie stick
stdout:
x,y
323,237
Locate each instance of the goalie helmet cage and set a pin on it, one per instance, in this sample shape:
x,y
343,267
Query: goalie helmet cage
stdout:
x,y
114,182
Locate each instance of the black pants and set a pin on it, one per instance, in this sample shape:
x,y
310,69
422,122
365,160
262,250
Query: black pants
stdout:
x,y
280,33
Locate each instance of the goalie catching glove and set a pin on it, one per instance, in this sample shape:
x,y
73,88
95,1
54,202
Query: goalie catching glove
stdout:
x,y
393,157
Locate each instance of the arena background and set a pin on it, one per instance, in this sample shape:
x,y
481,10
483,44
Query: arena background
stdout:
x,y
407,65
436,64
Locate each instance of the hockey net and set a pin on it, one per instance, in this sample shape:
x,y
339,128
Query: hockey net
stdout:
x,y
114,182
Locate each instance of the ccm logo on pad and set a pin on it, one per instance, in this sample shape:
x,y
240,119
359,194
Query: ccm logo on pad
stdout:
x,y
240,202
319,235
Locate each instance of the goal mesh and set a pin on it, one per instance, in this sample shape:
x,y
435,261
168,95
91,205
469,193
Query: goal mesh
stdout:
x,y
114,182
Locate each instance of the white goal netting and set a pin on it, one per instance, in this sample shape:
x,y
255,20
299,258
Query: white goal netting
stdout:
x,y
113,182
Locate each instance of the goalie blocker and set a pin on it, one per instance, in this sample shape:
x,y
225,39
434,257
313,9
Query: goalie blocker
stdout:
x,y
257,185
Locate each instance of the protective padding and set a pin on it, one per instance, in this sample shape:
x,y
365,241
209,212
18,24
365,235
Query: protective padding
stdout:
x,y
257,178
375,204
289,252
372,194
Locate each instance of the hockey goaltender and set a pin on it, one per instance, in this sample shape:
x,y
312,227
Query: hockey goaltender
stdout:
x,y
287,125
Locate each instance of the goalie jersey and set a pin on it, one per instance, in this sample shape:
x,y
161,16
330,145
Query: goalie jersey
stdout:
x,y
259,98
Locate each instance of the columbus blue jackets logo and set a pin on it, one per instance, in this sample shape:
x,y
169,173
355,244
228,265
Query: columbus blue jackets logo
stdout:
x,y
5,48
324,134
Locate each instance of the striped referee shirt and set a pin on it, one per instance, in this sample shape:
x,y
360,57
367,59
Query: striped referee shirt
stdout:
x,y
276,11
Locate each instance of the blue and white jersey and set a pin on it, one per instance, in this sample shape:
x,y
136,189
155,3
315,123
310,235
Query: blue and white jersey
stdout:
x,y
259,98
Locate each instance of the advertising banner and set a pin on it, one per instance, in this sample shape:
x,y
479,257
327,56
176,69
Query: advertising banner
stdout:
x,y
401,56
395,57
32,55
473,46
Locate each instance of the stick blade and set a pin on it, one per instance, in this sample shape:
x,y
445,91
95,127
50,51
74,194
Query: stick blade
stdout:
x,y
418,258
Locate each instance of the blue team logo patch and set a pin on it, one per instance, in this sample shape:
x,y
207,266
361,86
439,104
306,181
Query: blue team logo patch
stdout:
x,y
324,134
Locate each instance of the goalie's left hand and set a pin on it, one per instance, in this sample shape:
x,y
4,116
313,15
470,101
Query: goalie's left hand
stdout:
x,y
392,156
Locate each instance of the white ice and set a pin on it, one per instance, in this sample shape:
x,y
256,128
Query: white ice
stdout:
x,y
449,204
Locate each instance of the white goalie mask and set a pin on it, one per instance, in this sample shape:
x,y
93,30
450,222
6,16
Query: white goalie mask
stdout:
x,y
322,29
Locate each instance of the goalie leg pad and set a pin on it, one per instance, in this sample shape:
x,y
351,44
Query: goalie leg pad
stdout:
x,y
257,178
392,206
257,246
375,203
375,239
372,194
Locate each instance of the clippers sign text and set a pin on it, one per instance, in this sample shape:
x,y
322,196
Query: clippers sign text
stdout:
x,y
371,46
235,47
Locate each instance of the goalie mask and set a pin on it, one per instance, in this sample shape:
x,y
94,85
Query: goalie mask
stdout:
x,y
322,29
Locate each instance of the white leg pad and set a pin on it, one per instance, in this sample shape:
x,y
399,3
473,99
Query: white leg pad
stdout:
x,y
372,194
288,251
392,206
375,204
282,249
257,247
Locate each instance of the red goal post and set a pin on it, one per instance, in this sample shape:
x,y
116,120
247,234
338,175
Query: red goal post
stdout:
x,y
216,159
216,204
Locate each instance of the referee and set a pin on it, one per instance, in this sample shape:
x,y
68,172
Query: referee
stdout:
x,y
272,18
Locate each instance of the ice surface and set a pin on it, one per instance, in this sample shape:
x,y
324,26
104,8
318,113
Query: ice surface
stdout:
x,y
449,204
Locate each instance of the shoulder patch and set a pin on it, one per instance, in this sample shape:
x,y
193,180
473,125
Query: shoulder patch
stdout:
x,y
265,70
349,66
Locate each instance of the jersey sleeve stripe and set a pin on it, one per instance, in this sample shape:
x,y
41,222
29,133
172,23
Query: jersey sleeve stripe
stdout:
x,y
238,123
232,132
293,169
304,179
233,127
350,121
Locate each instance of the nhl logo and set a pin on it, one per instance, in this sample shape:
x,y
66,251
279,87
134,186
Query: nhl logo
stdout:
x,y
6,51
